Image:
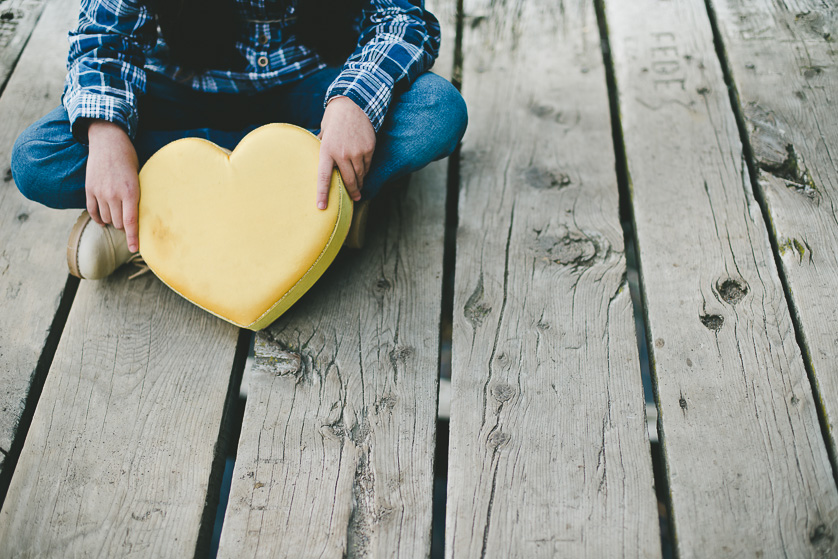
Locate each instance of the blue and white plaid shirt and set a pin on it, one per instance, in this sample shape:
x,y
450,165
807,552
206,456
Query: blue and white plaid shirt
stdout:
x,y
116,43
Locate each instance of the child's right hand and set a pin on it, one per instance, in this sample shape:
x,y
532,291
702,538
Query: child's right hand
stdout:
x,y
111,182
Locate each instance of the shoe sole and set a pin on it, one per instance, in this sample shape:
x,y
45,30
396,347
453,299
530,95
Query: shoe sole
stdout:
x,y
73,243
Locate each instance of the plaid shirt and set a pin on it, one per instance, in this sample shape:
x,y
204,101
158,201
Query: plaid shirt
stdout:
x,y
116,43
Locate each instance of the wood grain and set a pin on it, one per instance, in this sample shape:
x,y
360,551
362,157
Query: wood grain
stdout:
x,y
118,458
33,268
335,457
784,61
549,455
747,467
336,453
17,20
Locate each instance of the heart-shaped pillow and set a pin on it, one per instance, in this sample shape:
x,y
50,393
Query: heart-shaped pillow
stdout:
x,y
238,233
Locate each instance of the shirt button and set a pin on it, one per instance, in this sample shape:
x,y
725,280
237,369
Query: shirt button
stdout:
x,y
262,61
263,39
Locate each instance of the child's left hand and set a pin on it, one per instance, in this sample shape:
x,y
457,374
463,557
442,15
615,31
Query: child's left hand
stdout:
x,y
347,142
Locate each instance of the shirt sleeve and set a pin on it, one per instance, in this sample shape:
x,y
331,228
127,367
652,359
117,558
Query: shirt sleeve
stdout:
x,y
399,40
107,55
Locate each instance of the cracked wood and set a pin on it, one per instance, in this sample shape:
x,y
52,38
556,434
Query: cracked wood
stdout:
x,y
747,467
118,459
336,451
549,454
33,269
335,457
784,62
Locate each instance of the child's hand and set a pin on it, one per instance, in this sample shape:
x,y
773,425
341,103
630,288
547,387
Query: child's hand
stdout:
x,y
111,183
348,141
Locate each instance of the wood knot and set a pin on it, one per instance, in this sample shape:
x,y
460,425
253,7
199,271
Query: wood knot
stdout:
x,y
334,431
732,291
712,322
772,147
498,439
23,217
383,284
682,402
821,537
475,310
278,362
400,354
541,111
385,404
502,359
659,343
573,249
543,179
503,392
817,23
810,72
7,16
7,176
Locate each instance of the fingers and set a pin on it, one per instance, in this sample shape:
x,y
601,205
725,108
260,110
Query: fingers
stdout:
x,y
117,207
129,220
360,166
350,178
353,180
348,138
93,210
105,213
116,213
324,179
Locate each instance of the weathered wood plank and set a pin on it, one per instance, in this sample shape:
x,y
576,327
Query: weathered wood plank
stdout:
x,y
17,20
336,452
784,61
335,457
33,269
747,467
118,458
549,455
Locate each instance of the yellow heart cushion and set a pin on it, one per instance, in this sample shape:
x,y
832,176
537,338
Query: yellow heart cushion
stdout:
x,y
239,233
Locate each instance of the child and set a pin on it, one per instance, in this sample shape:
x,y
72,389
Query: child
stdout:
x,y
143,73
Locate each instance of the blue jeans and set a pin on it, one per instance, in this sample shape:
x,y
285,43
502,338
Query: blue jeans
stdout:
x,y
424,123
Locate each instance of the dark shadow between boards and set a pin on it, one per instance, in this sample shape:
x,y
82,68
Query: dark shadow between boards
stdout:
x,y
634,267
36,386
221,477
753,171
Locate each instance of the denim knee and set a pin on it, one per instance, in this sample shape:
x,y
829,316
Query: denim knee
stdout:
x,y
21,166
447,114
48,164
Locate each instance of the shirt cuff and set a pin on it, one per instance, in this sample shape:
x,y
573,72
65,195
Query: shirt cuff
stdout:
x,y
85,106
371,90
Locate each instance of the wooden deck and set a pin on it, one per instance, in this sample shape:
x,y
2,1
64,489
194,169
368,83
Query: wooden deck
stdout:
x,y
701,135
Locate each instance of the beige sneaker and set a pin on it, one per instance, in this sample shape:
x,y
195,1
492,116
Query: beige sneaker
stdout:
x,y
93,251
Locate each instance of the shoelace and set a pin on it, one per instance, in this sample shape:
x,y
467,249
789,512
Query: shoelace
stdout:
x,y
141,267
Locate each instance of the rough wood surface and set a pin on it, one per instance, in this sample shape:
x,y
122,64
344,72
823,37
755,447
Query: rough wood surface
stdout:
x,y
117,460
549,455
747,466
17,19
336,451
784,61
33,268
